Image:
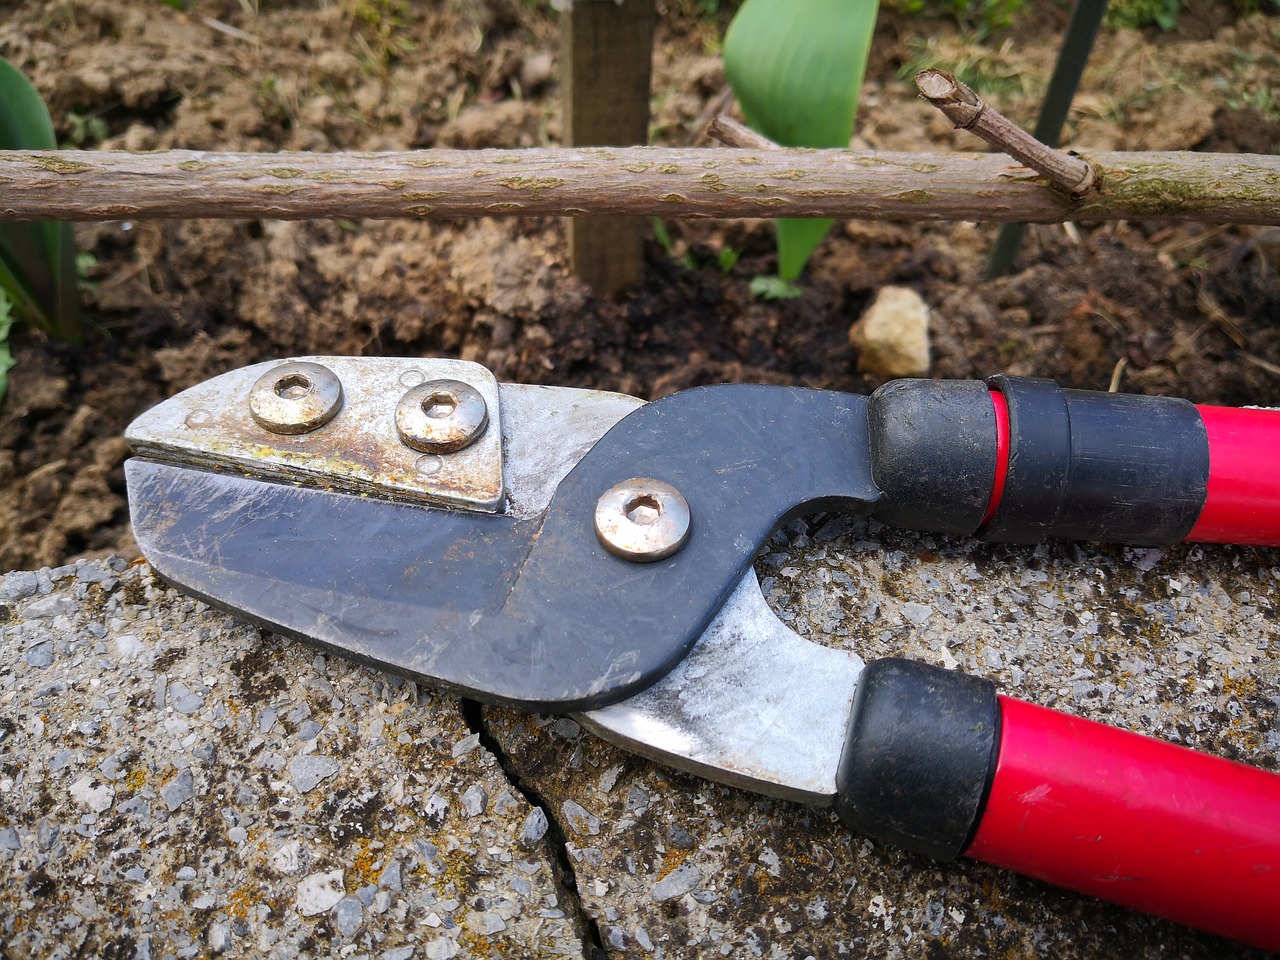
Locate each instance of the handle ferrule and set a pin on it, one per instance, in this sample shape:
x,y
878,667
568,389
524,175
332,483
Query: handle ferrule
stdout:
x,y
1019,460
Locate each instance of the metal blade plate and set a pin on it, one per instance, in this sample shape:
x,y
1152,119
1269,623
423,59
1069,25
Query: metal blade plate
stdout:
x,y
753,705
359,450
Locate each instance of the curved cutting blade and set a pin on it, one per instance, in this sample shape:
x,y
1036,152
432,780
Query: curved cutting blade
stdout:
x,y
752,704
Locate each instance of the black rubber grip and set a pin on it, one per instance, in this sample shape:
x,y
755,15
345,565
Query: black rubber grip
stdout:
x,y
933,453
1087,465
920,756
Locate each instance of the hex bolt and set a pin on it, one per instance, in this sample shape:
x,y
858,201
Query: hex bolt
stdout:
x,y
295,397
642,520
441,416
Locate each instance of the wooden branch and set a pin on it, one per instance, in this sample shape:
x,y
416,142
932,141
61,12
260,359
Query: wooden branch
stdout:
x,y
734,134
644,181
967,111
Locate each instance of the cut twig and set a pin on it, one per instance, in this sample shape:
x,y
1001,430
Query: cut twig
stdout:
x,y
967,111
643,181
714,108
734,134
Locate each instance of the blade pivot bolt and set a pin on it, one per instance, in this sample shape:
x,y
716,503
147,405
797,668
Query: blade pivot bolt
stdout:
x,y
642,520
295,397
441,416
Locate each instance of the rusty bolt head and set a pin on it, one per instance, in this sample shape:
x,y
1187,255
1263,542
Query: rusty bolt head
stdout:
x,y
642,520
295,397
441,416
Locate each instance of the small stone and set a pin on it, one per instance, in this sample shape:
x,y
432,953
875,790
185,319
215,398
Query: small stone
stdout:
x,y
347,916
473,801
683,879
319,893
186,873
637,801
534,829
288,859
50,606
183,699
266,719
129,646
485,923
178,790
40,656
398,953
566,728
307,772
444,948
466,745
581,821
97,797
9,839
309,730
18,585
219,937
917,613
390,878
892,337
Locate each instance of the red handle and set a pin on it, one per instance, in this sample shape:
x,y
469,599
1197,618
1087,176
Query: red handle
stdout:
x,y
1242,503
1137,821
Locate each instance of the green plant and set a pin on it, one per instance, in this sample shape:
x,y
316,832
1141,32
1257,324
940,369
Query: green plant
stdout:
x,y
774,288
37,260
998,71
6,358
984,16
663,236
1137,14
796,67
84,130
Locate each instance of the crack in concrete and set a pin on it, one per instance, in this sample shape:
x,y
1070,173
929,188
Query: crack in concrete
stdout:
x,y
556,840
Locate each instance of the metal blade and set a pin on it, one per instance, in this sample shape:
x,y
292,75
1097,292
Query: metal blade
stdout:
x,y
752,705
323,535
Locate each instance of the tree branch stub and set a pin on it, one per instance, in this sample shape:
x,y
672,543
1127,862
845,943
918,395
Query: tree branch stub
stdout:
x,y
963,107
734,134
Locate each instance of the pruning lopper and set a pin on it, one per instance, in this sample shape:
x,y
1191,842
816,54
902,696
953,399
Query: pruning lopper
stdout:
x,y
570,550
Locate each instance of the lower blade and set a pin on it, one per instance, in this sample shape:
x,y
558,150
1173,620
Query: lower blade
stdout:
x,y
752,705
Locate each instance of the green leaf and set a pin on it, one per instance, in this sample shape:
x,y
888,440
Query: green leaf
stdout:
x,y
6,358
797,239
37,260
796,67
774,288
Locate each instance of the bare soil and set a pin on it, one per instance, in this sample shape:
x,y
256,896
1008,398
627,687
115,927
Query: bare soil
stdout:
x,y
1189,310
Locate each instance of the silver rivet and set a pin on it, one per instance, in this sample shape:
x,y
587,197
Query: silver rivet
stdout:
x,y
441,416
295,397
199,417
412,377
642,520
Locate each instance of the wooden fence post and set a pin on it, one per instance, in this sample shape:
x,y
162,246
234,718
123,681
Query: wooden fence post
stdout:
x,y
607,52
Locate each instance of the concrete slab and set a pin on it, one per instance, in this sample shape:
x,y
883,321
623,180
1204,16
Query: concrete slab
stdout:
x,y
173,782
